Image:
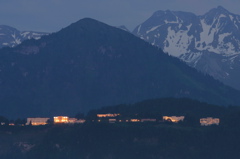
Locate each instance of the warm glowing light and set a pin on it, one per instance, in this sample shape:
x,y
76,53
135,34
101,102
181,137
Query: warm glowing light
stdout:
x,y
37,121
134,120
72,120
107,115
61,119
174,119
209,121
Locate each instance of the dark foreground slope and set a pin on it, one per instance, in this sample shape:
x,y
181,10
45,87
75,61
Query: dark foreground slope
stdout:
x,y
90,64
120,141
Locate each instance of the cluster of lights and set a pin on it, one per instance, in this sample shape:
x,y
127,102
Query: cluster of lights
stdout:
x,y
66,119
61,119
174,119
37,121
107,115
135,120
209,121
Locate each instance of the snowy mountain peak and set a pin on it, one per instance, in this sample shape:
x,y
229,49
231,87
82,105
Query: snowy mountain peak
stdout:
x,y
222,9
159,13
11,37
181,32
196,38
217,11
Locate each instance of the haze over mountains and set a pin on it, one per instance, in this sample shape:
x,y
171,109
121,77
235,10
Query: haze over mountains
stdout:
x,y
11,37
90,64
209,43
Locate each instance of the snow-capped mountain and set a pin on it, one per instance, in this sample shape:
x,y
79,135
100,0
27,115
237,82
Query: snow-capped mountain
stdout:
x,y
210,43
11,37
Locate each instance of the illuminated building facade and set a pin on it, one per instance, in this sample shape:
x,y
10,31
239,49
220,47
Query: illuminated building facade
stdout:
x,y
148,120
61,119
107,115
174,119
134,120
209,121
37,121
72,120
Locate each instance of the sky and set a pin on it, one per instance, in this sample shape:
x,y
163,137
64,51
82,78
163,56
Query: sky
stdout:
x,y
53,15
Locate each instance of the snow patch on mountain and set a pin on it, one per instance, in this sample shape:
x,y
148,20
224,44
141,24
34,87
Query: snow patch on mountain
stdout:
x,y
206,36
177,43
139,28
191,58
153,28
24,34
210,42
222,36
11,37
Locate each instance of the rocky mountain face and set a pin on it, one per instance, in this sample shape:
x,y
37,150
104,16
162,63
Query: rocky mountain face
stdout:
x,y
11,37
209,43
89,65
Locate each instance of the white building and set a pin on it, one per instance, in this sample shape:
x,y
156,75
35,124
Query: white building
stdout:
x,y
209,121
148,120
37,121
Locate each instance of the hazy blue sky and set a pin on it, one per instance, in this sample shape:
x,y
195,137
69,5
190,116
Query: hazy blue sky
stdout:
x,y
52,15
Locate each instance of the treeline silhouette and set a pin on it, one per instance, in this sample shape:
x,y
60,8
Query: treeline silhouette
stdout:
x,y
193,110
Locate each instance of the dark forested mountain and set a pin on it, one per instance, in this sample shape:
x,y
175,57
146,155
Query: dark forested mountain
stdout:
x,y
90,64
209,42
11,37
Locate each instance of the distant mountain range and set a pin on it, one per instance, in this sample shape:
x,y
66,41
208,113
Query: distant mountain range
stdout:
x,y
11,37
90,64
209,43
